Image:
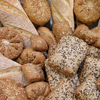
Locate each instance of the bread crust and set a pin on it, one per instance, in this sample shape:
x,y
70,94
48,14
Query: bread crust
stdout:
x,y
69,50
87,90
87,11
11,44
38,11
60,29
37,91
30,56
33,72
11,90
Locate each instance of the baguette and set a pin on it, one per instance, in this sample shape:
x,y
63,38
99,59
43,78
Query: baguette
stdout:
x,y
62,10
13,16
14,73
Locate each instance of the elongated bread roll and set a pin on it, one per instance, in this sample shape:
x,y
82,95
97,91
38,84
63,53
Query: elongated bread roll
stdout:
x,y
62,10
13,16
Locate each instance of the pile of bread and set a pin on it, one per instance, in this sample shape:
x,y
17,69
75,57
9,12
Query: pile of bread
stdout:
x,y
49,50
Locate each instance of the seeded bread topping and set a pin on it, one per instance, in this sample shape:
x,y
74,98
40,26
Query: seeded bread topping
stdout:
x,y
68,55
91,66
63,91
54,77
88,90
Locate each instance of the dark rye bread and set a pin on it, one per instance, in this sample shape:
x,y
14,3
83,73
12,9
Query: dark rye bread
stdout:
x,y
63,91
91,67
68,55
54,77
88,90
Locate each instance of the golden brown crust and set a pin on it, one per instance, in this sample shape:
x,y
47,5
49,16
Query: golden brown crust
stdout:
x,y
37,91
68,55
60,29
47,35
30,56
98,83
83,32
11,90
87,11
33,72
63,91
37,10
87,90
11,44
38,43
62,10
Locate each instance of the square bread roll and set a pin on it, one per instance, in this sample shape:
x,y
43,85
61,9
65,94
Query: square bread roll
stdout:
x,y
54,77
88,90
91,66
68,55
63,91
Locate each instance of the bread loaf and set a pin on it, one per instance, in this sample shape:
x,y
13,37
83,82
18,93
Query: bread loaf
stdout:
x,y
87,90
62,10
38,11
13,16
11,90
91,67
68,55
14,73
63,91
54,77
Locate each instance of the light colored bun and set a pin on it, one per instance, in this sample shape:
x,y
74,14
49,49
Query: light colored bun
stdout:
x,y
63,91
37,91
14,73
68,55
87,90
11,44
13,16
90,67
62,10
60,29
30,56
11,90
87,11
38,11
33,72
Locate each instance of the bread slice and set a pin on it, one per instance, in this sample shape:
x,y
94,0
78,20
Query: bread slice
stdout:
x,y
14,73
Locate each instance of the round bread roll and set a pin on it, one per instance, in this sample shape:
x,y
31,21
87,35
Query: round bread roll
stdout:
x,y
37,10
11,90
60,29
30,56
37,91
87,11
11,44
